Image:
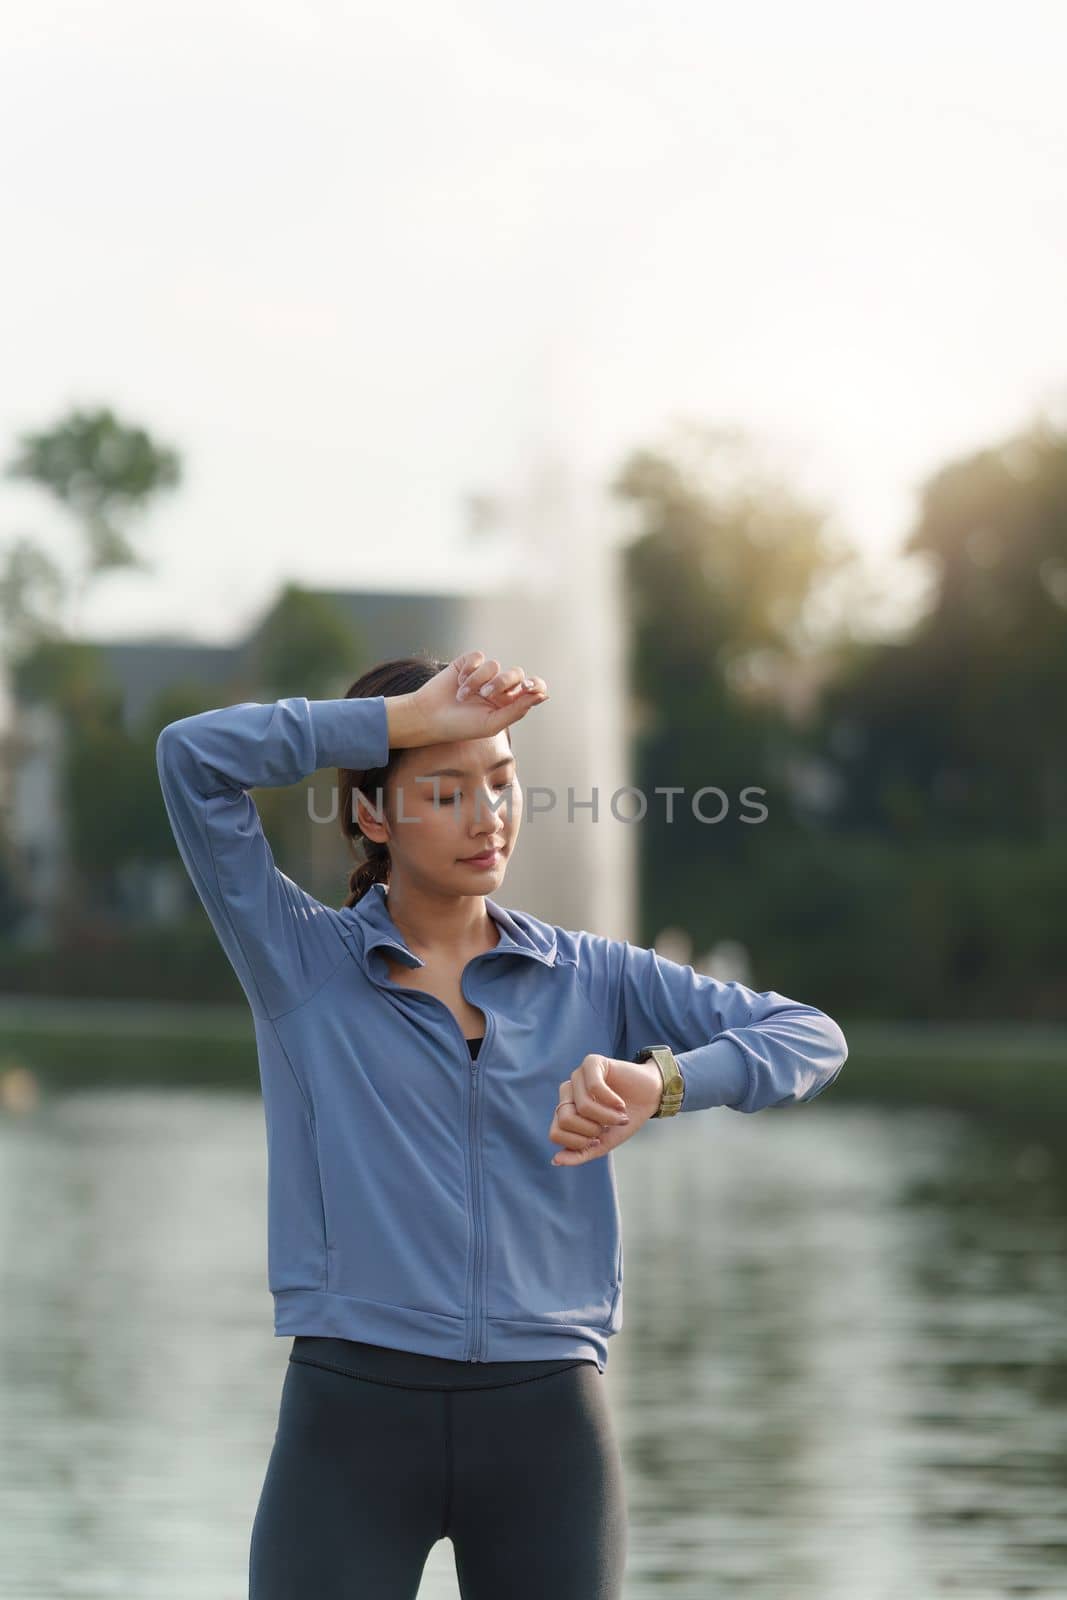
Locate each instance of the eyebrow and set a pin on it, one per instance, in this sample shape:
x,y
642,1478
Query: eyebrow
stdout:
x,y
464,772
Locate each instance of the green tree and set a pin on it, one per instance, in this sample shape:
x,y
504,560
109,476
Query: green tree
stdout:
x,y
960,724
722,579
31,593
105,472
304,647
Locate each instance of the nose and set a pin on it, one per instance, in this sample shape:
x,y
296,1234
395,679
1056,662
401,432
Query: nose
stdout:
x,y
490,816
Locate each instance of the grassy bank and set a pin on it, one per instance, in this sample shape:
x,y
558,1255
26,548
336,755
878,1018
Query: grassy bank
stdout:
x,y
69,1043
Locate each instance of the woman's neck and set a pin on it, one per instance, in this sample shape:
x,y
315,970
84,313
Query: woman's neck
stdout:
x,y
432,925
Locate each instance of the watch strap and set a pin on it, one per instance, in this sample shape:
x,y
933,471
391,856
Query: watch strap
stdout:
x,y
673,1081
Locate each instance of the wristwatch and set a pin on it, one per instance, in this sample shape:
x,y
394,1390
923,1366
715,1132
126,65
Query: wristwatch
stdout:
x,y
670,1072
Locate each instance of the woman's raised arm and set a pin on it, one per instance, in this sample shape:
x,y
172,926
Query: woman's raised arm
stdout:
x,y
280,940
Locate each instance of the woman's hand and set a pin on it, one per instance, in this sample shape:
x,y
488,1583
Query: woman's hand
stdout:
x,y
604,1103
441,715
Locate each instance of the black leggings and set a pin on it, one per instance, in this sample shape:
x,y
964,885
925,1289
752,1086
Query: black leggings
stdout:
x,y
380,1452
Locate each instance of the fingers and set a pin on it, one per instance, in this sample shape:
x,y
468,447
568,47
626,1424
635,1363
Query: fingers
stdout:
x,y
588,1123
575,1158
573,1143
591,1089
504,683
581,1120
482,675
466,663
592,1097
477,676
572,1130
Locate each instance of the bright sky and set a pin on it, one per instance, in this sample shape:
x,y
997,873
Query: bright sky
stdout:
x,y
356,260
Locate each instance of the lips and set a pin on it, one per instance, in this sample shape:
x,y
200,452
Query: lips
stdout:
x,y
485,858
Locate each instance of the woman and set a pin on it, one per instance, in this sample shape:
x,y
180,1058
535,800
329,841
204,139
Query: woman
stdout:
x,y
449,1283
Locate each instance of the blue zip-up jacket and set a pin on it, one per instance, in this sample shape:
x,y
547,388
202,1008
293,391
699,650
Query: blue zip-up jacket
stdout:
x,y
411,1195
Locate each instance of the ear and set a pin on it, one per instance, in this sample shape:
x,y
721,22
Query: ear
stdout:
x,y
371,821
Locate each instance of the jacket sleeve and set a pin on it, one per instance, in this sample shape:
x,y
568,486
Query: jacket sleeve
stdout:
x,y
280,940
735,1047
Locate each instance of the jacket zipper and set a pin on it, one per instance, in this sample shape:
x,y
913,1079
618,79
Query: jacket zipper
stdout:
x,y
476,1310
481,1303
477,1315
476,1197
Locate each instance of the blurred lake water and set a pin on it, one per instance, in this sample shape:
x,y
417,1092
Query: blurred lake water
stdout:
x,y
842,1373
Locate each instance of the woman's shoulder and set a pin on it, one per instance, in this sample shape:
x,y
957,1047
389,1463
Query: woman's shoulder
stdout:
x,y
592,953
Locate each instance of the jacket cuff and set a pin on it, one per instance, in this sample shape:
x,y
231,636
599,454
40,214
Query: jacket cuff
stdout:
x,y
715,1074
352,733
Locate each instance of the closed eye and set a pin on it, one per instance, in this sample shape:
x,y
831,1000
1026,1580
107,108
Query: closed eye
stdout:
x,y
458,795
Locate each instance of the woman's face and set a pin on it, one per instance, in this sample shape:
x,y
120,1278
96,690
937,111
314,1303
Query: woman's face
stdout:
x,y
446,803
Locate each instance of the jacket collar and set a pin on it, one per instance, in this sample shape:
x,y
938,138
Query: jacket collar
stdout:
x,y
520,933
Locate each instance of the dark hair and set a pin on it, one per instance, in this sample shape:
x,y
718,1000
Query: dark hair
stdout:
x,y
402,676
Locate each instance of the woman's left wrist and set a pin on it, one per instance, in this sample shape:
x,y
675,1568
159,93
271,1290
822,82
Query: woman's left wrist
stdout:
x,y
672,1083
